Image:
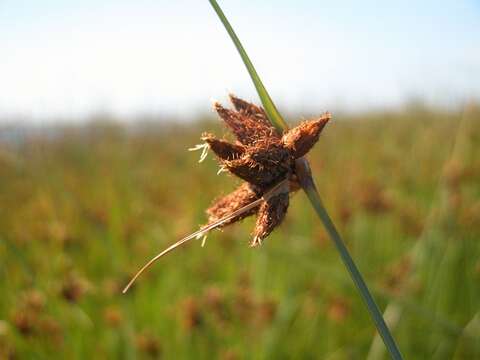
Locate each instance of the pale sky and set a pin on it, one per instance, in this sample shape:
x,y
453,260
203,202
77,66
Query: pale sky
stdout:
x,y
65,58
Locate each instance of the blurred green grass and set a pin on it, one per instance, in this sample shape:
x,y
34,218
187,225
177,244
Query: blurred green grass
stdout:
x,y
80,211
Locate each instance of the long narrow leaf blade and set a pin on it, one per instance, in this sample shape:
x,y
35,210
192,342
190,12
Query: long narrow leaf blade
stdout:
x,y
312,193
355,274
306,180
270,108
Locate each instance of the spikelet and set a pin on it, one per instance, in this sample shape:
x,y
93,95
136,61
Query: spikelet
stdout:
x,y
246,129
301,139
222,148
270,214
242,196
262,158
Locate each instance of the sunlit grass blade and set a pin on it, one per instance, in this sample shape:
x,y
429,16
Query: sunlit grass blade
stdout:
x,y
267,102
308,185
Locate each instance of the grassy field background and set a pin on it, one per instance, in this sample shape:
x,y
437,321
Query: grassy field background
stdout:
x,y
81,208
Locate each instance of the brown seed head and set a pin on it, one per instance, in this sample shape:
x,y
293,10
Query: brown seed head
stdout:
x,y
265,160
270,215
25,322
263,168
338,310
149,344
74,288
246,129
226,205
222,148
262,159
192,316
113,316
267,310
250,110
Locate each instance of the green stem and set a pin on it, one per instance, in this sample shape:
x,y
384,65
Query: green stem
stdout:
x,y
267,101
305,178
308,185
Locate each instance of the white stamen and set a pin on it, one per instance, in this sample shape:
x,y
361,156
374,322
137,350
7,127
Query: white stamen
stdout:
x,y
204,147
221,169
202,236
256,242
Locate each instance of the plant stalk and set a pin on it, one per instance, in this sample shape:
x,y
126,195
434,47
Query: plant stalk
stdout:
x,y
273,114
307,183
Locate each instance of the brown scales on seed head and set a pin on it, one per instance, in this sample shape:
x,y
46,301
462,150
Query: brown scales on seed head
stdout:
x,y
264,159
